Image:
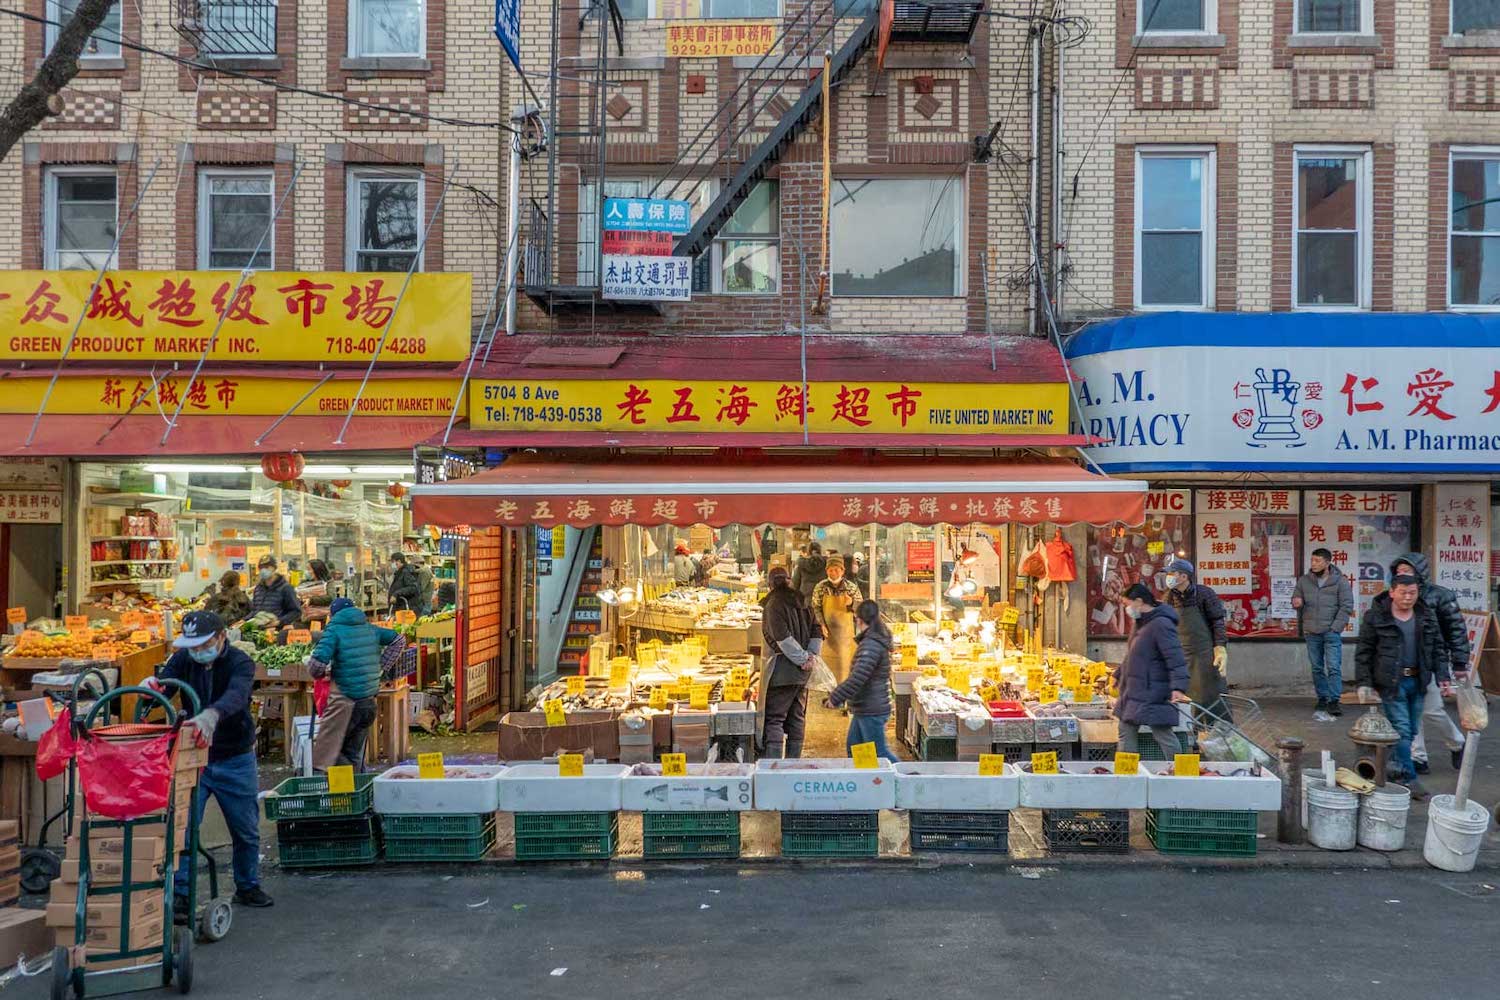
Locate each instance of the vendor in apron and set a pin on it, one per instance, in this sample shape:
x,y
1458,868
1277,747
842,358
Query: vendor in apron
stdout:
x,y
833,602
1200,626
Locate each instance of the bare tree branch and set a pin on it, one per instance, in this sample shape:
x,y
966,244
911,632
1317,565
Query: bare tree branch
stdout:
x,y
40,98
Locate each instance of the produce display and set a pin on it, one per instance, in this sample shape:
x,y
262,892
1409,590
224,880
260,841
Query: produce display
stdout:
x,y
277,657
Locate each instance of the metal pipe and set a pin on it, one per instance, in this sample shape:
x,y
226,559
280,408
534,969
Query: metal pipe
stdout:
x,y
1057,171
513,227
1036,169
1289,819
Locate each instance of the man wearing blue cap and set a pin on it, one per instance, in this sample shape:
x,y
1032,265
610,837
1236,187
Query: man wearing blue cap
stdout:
x,y
1201,627
222,677
349,650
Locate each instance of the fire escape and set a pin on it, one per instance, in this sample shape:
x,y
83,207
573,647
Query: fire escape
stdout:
x,y
779,96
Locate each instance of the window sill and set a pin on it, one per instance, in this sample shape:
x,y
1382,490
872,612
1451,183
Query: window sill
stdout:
x,y
88,65
378,64
1179,40
1334,40
241,62
1486,39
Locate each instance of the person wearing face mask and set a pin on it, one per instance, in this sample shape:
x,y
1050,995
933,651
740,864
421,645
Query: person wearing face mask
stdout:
x,y
1324,600
222,677
1201,628
833,601
405,591
1153,676
275,594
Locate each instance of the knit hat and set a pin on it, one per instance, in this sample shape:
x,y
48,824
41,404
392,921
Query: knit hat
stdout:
x,y
339,604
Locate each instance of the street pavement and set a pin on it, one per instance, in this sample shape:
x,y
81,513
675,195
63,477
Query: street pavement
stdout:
x,y
867,932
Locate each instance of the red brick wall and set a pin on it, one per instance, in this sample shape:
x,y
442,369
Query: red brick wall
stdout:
x,y
1383,232
1281,227
1437,225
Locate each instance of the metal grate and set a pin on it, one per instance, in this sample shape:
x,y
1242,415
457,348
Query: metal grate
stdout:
x,y
227,29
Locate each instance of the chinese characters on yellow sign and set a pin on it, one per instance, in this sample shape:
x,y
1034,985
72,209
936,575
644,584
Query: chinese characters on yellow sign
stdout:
x,y
231,395
667,405
720,38
170,315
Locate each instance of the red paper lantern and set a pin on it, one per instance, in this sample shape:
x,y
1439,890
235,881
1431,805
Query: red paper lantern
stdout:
x,y
282,466
342,484
396,491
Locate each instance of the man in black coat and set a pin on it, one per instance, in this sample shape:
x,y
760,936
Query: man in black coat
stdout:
x,y
1400,651
793,642
1455,639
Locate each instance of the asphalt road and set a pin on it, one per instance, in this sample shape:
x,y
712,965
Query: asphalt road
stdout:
x,y
861,932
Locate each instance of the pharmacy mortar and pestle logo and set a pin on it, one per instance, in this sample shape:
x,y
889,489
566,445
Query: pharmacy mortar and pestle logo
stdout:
x,y
1276,409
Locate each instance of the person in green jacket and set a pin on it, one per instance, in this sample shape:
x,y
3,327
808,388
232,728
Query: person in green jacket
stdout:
x,y
349,650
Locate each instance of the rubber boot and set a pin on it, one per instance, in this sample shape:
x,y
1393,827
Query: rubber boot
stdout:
x,y
793,749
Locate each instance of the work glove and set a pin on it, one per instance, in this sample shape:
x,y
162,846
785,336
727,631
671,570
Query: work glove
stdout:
x,y
206,722
154,685
1367,695
316,669
1221,659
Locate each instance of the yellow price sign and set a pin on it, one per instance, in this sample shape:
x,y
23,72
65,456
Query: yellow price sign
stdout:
x,y
554,711
570,765
1009,616
680,690
1127,763
864,756
140,636
698,696
576,686
341,780
674,765
739,678
958,678
1035,678
71,622
992,672
991,765
1098,670
130,619
1072,676
1044,763
988,691
430,765
1187,765
930,671
1047,694
1083,694
619,672
658,698
298,637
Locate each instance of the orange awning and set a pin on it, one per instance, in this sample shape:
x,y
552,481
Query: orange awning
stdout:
x,y
717,491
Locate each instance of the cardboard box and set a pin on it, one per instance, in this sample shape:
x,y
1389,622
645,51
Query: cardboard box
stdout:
x,y
23,932
10,861
109,871
635,754
103,938
111,846
526,735
191,757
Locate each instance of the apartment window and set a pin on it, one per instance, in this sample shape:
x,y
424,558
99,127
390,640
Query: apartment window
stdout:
x,y
104,43
1331,256
1174,231
1475,15
387,28
80,215
1474,231
385,220
896,237
748,248
1174,16
237,28
1344,17
234,216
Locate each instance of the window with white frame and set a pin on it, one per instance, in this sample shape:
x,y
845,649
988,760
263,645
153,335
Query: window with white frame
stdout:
x,y
1342,17
896,236
79,217
234,218
237,28
1174,228
1332,219
1474,15
747,251
387,28
1175,17
1474,230
385,219
104,43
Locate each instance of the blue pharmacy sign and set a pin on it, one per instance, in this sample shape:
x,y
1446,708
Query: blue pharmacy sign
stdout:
x,y
646,215
508,28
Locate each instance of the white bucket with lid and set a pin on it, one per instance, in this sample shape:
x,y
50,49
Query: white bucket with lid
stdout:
x,y
1332,817
1454,835
1382,818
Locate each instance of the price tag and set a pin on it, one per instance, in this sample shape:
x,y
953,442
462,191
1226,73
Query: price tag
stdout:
x,y
1044,763
570,765
554,711
1047,694
299,636
930,671
739,677
1083,694
140,636
133,619
1071,675
864,756
698,697
316,625
992,672
1186,765
1098,670
680,690
406,617
988,691
576,686
1035,678
151,619
341,780
72,622
674,765
1009,616
658,697
958,679
29,635
80,630
1127,763
991,765
430,765
15,616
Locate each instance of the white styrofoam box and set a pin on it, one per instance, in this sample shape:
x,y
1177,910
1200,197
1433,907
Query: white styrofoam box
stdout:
x,y
706,788
1164,790
400,791
539,788
955,786
902,681
1076,787
818,785
1056,729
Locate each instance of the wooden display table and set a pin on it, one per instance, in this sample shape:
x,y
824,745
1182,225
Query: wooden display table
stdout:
x,y
389,739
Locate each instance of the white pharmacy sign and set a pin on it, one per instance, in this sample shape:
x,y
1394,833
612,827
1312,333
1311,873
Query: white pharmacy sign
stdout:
x,y
648,279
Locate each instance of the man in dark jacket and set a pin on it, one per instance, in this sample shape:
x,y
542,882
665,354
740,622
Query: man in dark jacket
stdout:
x,y
1400,651
1201,627
1455,640
792,642
222,677
405,591
349,648
1324,600
811,569
867,688
275,594
1153,677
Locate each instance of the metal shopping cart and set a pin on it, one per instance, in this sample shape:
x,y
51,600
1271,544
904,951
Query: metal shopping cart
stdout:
x,y
1240,732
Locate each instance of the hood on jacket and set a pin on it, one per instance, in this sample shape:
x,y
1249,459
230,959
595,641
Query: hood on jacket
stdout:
x,y
1162,610
1418,562
349,616
878,632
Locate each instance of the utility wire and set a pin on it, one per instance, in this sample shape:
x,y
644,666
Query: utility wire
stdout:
x,y
1135,48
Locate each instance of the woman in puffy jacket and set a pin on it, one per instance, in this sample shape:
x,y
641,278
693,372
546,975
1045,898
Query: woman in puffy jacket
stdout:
x,y
1154,674
867,688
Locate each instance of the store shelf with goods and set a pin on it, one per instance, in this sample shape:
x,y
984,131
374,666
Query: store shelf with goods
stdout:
x,y
133,538
129,499
101,584
131,562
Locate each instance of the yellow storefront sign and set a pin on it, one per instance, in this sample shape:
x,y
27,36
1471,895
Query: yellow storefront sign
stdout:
x,y
705,39
228,395
727,406
325,316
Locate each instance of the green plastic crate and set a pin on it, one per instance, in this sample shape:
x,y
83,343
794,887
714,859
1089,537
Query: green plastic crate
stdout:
x,y
829,845
1200,843
309,798
1206,820
445,826
472,848
690,824
1145,745
674,845
564,824
567,847
329,853
939,748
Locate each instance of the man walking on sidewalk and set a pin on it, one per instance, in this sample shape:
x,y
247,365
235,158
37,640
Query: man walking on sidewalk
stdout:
x,y
1455,641
1325,602
1399,652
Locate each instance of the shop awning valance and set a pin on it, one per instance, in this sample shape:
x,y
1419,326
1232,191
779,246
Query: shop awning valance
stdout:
x,y
833,490
80,435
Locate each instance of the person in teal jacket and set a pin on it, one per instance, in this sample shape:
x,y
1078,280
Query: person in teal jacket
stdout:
x,y
349,650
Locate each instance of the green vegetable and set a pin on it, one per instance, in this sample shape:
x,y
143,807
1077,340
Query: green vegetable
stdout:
x,y
282,656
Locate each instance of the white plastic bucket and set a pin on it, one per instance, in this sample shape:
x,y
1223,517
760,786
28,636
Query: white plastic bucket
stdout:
x,y
1454,836
1332,818
1382,818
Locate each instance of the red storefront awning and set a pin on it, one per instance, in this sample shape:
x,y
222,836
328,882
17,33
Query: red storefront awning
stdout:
x,y
715,491
139,436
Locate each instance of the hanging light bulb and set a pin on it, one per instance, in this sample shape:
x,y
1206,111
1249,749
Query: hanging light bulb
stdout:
x,y
956,591
970,586
627,595
608,596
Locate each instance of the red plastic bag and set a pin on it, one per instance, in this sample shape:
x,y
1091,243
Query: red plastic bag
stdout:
x,y
322,688
126,780
56,747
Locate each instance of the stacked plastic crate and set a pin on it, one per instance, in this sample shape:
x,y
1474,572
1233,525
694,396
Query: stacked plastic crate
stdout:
x,y
563,817
446,815
829,808
316,828
691,815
